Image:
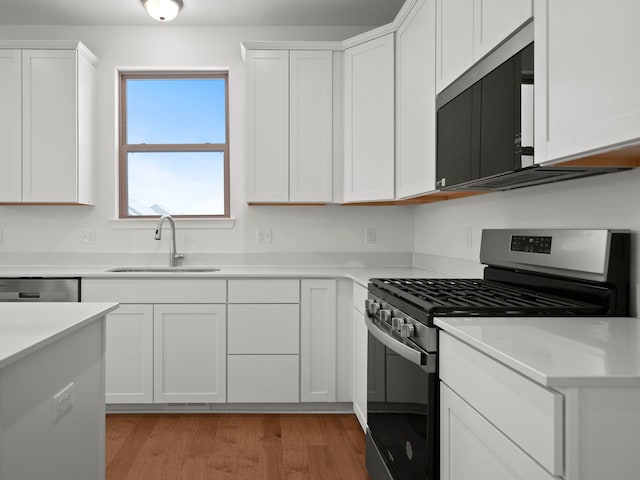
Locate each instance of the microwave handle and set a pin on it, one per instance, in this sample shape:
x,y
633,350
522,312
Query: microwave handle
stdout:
x,y
414,356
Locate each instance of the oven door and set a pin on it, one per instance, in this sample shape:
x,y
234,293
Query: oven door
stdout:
x,y
401,407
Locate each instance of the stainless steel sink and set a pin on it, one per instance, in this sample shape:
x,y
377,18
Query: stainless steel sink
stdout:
x,y
162,269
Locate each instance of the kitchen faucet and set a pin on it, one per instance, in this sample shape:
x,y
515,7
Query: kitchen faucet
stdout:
x,y
173,256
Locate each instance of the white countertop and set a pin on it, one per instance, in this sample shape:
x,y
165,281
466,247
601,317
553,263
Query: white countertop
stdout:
x,y
557,351
27,327
360,275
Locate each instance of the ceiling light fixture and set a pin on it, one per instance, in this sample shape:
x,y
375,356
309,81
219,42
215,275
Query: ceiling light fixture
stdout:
x,y
162,10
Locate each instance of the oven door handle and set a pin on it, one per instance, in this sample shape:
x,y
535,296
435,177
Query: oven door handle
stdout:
x,y
411,354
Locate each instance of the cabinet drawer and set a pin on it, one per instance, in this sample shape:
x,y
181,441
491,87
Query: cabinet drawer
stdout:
x,y
264,291
263,378
527,413
359,296
157,290
263,329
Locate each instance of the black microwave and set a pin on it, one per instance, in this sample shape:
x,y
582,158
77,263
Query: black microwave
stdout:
x,y
485,126
485,118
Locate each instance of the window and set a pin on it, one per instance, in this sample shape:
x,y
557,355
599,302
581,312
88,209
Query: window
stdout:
x,y
174,148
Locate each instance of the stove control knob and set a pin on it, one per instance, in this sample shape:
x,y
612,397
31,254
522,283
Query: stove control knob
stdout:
x,y
396,322
372,306
407,330
385,315
367,305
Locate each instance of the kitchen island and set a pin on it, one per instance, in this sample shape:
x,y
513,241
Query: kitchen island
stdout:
x,y
52,390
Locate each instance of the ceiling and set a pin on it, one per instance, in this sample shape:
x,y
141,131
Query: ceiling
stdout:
x,y
365,13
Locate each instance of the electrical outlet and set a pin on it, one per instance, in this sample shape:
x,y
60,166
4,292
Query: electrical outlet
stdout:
x,y
88,236
62,402
263,235
370,236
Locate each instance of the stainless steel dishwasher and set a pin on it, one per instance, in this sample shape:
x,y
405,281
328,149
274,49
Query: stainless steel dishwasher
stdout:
x,y
39,289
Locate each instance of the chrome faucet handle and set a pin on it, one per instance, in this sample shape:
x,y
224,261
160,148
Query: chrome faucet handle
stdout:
x,y
178,257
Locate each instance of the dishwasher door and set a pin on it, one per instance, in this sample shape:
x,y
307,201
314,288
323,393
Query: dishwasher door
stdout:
x,y
39,289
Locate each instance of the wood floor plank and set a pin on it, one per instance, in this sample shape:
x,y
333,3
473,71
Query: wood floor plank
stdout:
x,y
234,447
294,453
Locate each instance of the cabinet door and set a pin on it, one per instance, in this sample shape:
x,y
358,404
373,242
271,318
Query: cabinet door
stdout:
x,y
10,125
495,20
454,41
415,102
470,447
189,353
129,354
263,329
360,368
311,126
369,106
268,125
264,379
318,341
49,126
586,87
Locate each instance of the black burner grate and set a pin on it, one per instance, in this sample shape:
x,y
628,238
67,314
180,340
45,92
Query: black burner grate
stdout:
x,y
478,296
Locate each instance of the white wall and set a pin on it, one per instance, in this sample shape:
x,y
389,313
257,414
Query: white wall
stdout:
x,y
606,201
297,229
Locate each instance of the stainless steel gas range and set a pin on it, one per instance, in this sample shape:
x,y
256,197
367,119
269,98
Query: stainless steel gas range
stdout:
x,y
528,273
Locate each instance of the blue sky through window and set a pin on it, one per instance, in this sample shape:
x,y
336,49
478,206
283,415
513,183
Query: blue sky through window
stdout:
x,y
176,111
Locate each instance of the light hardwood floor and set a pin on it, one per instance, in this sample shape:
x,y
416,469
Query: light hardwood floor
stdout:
x,y
234,447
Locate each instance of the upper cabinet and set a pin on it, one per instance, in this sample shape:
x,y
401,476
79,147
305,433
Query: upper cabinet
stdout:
x,y
416,101
290,125
47,123
469,29
369,107
586,78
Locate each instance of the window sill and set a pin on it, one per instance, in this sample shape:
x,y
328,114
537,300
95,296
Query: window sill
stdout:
x,y
181,223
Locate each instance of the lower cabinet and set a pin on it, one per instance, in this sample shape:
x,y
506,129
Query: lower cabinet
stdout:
x,y
129,354
237,340
360,343
264,353
166,353
494,422
189,353
471,447
263,378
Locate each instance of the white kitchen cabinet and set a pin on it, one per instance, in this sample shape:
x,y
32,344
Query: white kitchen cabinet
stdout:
x,y
166,343
469,29
471,447
54,125
263,329
416,102
189,353
495,20
454,41
263,361
129,354
529,415
263,379
586,89
318,340
11,125
290,115
311,126
369,112
361,335
273,290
